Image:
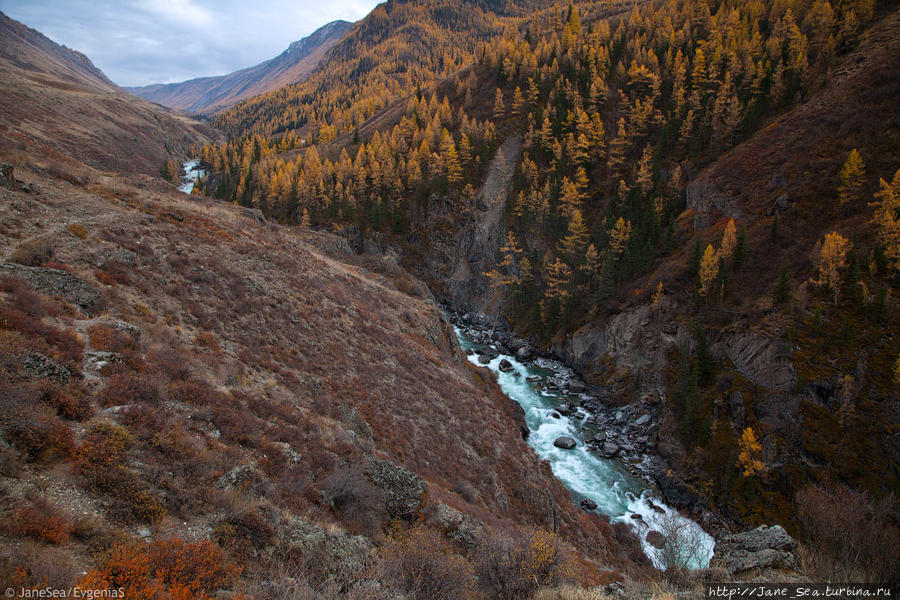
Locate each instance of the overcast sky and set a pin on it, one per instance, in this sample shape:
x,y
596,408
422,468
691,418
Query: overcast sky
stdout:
x,y
138,42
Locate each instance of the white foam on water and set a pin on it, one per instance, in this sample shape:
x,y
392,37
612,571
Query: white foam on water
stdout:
x,y
191,167
618,494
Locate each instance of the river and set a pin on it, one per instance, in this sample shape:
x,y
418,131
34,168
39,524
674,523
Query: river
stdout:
x,y
618,494
192,173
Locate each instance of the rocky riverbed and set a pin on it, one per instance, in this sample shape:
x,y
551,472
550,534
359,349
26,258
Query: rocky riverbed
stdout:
x,y
603,454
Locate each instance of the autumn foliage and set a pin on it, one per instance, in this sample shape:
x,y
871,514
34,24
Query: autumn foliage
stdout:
x,y
167,569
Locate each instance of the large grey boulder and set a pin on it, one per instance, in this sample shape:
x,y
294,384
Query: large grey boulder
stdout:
x,y
403,488
760,549
565,442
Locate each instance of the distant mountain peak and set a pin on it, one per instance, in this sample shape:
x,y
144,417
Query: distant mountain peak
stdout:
x,y
206,95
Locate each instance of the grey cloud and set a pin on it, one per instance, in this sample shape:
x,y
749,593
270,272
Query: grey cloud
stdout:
x,y
138,42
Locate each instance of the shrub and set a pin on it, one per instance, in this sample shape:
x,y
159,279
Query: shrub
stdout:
x,y
169,569
78,230
31,427
359,503
246,530
513,567
33,254
849,536
129,388
101,460
38,519
424,565
35,567
70,402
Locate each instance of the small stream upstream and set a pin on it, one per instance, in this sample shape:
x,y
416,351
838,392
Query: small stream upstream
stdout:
x,y
192,173
604,481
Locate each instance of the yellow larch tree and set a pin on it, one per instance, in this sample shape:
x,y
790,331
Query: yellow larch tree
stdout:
x,y
887,220
750,457
853,178
619,236
709,270
832,259
729,241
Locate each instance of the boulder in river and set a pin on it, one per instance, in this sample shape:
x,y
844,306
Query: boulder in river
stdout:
x,y
609,450
505,366
533,378
484,359
523,353
565,442
599,438
588,504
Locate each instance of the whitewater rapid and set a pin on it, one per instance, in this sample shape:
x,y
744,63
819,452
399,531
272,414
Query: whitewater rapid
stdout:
x,y
618,494
192,173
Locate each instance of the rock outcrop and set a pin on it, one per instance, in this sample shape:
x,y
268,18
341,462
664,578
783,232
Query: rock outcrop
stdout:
x,y
55,282
403,489
750,553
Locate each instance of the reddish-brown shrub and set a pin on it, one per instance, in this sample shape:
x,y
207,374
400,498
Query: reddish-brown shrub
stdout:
x,y
38,519
246,530
31,427
127,387
169,569
359,503
70,402
197,393
106,337
34,566
849,536
424,565
511,566
33,254
112,273
78,230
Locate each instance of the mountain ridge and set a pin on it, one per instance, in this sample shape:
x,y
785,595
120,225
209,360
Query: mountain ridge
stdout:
x,y
204,95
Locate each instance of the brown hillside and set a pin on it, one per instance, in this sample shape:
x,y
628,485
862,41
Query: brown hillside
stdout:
x,y
233,350
55,100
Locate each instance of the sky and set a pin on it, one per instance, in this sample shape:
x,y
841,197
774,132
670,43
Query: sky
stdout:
x,y
139,42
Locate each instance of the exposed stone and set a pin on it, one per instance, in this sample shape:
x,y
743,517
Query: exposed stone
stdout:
x,y
565,442
404,488
575,387
523,353
505,366
345,555
642,420
484,359
237,478
609,450
599,438
461,527
762,360
756,550
55,282
42,367
588,504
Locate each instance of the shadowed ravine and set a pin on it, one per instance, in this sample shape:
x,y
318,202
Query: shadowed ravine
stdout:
x,y
618,494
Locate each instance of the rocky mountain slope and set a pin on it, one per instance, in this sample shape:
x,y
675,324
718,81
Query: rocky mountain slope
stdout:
x,y
208,95
55,100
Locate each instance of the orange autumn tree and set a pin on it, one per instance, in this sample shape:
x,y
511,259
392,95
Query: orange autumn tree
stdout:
x,y
169,569
750,457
